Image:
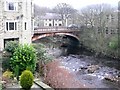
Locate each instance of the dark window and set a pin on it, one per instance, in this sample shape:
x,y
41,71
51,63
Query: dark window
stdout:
x,y
25,26
106,30
60,24
112,31
15,25
11,6
50,24
49,19
11,26
7,26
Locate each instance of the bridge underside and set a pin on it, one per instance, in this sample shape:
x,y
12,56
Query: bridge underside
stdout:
x,y
37,37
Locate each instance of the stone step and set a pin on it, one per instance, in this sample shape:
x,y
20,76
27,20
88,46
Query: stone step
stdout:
x,y
43,85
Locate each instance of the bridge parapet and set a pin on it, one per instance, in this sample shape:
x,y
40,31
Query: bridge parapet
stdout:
x,y
53,29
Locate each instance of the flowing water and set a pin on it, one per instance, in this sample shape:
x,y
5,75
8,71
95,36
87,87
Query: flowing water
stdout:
x,y
93,72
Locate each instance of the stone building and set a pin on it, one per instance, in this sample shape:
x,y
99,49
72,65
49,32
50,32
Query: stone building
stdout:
x,y
52,19
16,21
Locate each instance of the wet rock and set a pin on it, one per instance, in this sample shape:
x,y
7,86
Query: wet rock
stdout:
x,y
74,56
83,68
92,68
112,78
81,56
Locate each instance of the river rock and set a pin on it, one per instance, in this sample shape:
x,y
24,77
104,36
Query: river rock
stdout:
x,y
112,78
92,68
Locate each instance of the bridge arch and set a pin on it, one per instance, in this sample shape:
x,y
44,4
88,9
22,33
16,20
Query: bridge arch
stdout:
x,y
34,38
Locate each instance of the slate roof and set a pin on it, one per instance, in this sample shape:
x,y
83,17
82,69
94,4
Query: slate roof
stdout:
x,y
51,16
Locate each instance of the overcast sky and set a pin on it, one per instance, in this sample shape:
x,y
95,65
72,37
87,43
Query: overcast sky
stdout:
x,y
77,4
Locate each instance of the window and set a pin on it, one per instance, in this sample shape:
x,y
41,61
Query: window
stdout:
x,y
106,30
11,6
99,30
112,31
25,26
11,26
50,24
60,24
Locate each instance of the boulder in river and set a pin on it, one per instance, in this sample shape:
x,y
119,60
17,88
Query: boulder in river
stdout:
x,y
112,78
92,68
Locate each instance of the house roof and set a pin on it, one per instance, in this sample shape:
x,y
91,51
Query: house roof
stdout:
x,y
51,16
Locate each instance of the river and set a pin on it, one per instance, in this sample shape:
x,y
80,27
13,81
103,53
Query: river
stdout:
x,y
92,71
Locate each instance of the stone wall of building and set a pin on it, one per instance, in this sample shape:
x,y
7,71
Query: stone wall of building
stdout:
x,y
23,16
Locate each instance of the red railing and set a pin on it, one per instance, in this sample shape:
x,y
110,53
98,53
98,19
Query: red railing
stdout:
x,y
52,29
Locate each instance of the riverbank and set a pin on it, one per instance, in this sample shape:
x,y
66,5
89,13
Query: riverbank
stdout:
x,y
58,77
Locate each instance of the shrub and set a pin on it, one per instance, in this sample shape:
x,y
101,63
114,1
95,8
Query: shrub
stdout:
x,y
23,57
40,51
113,44
5,63
26,79
42,57
8,52
7,76
11,46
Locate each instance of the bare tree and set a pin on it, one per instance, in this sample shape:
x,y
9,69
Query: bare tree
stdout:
x,y
40,11
65,10
95,15
102,18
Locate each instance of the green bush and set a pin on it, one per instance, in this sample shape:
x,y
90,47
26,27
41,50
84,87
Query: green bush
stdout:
x,y
113,44
5,63
8,52
8,74
11,46
26,79
23,57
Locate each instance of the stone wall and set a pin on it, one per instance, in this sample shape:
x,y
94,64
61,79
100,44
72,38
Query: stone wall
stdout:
x,y
23,15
